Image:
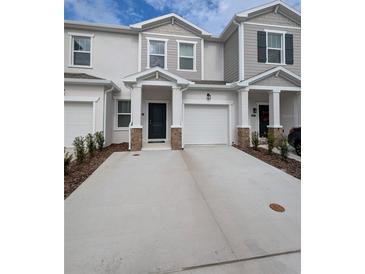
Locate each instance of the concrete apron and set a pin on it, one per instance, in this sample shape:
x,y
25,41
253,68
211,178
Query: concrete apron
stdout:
x,y
166,211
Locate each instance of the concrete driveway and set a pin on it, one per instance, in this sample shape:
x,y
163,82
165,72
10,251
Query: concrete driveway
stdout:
x,y
201,210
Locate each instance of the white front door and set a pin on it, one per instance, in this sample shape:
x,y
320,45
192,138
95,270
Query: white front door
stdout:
x,y
206,124
78,120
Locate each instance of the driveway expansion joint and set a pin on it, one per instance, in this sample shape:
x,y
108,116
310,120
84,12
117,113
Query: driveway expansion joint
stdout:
x,y
183,156
182,269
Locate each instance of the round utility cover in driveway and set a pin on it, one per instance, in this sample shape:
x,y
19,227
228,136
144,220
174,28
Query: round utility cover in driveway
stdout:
x,y
206,124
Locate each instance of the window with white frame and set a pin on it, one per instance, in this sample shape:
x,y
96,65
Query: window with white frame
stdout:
x,y
81,51
123,113
157,53
186,56
275,48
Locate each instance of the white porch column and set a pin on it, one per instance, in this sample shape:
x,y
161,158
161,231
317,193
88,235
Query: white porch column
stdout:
x,y
136,106
176,107
243,128
274,108
176,128
243,109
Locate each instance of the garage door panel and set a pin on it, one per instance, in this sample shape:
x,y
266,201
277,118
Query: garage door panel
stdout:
x,y
206,124
78,119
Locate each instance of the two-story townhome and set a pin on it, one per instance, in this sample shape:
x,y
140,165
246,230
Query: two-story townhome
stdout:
x,y
165,80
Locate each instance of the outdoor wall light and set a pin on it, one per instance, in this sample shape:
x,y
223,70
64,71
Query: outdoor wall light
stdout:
x,y
209,96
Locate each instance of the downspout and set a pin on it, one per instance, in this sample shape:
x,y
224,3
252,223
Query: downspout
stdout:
x,y
104,112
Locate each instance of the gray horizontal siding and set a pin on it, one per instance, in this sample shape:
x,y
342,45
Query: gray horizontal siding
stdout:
x,y
252,67
274,19
231,63
169,28
172,55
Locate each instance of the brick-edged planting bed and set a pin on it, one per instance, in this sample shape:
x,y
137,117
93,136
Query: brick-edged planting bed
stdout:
x,y
292,167
78,173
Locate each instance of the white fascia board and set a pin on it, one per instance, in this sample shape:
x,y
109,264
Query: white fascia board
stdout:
x,y
246,13
96,82
227,87
140,24
80,99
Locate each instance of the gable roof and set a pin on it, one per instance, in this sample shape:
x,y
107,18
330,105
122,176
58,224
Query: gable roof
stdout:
x,y
272,6
275,6
159,72
158,19
277,71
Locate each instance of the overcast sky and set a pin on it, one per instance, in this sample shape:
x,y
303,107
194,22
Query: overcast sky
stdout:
x,y
211,15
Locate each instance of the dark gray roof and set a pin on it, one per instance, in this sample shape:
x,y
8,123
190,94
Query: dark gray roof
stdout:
x,y
81,76
209,82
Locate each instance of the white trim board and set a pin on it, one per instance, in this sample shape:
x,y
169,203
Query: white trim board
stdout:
x,y
80,99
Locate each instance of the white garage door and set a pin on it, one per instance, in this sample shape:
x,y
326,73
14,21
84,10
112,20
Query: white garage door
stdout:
x,y
206,124
78,120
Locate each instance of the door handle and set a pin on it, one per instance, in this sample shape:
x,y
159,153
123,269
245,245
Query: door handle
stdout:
x,y
150,122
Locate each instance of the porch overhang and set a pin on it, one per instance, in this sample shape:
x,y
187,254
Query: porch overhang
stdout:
x,y
276,72
155,76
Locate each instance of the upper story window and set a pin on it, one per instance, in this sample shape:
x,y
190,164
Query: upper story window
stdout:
x,y
157,53
81,50
123,113
275,47
186,55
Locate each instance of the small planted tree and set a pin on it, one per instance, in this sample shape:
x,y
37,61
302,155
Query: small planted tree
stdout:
x,y
90,144
284,148
255,140
67,159
270,142
99,139
80,150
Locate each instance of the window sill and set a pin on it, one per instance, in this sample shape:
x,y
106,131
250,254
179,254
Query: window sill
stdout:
x,y
121,128
277,64
189,70
159,67
79,66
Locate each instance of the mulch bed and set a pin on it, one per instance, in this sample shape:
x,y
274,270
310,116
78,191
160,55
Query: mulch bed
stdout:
x,y
78,173
292,167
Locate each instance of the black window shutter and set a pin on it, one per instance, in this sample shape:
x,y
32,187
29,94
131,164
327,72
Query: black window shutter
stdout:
x,y
261,46
289,51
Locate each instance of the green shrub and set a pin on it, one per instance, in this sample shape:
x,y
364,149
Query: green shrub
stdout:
x,y
255,140
68,159
80,150
90,144
270,142
284,148
99,139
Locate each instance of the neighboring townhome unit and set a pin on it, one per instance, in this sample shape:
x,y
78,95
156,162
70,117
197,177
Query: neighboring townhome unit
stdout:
x,y
167,81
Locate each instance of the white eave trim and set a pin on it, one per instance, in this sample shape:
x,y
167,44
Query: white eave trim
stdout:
x,y
140,24
97,82
80,99
246,13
